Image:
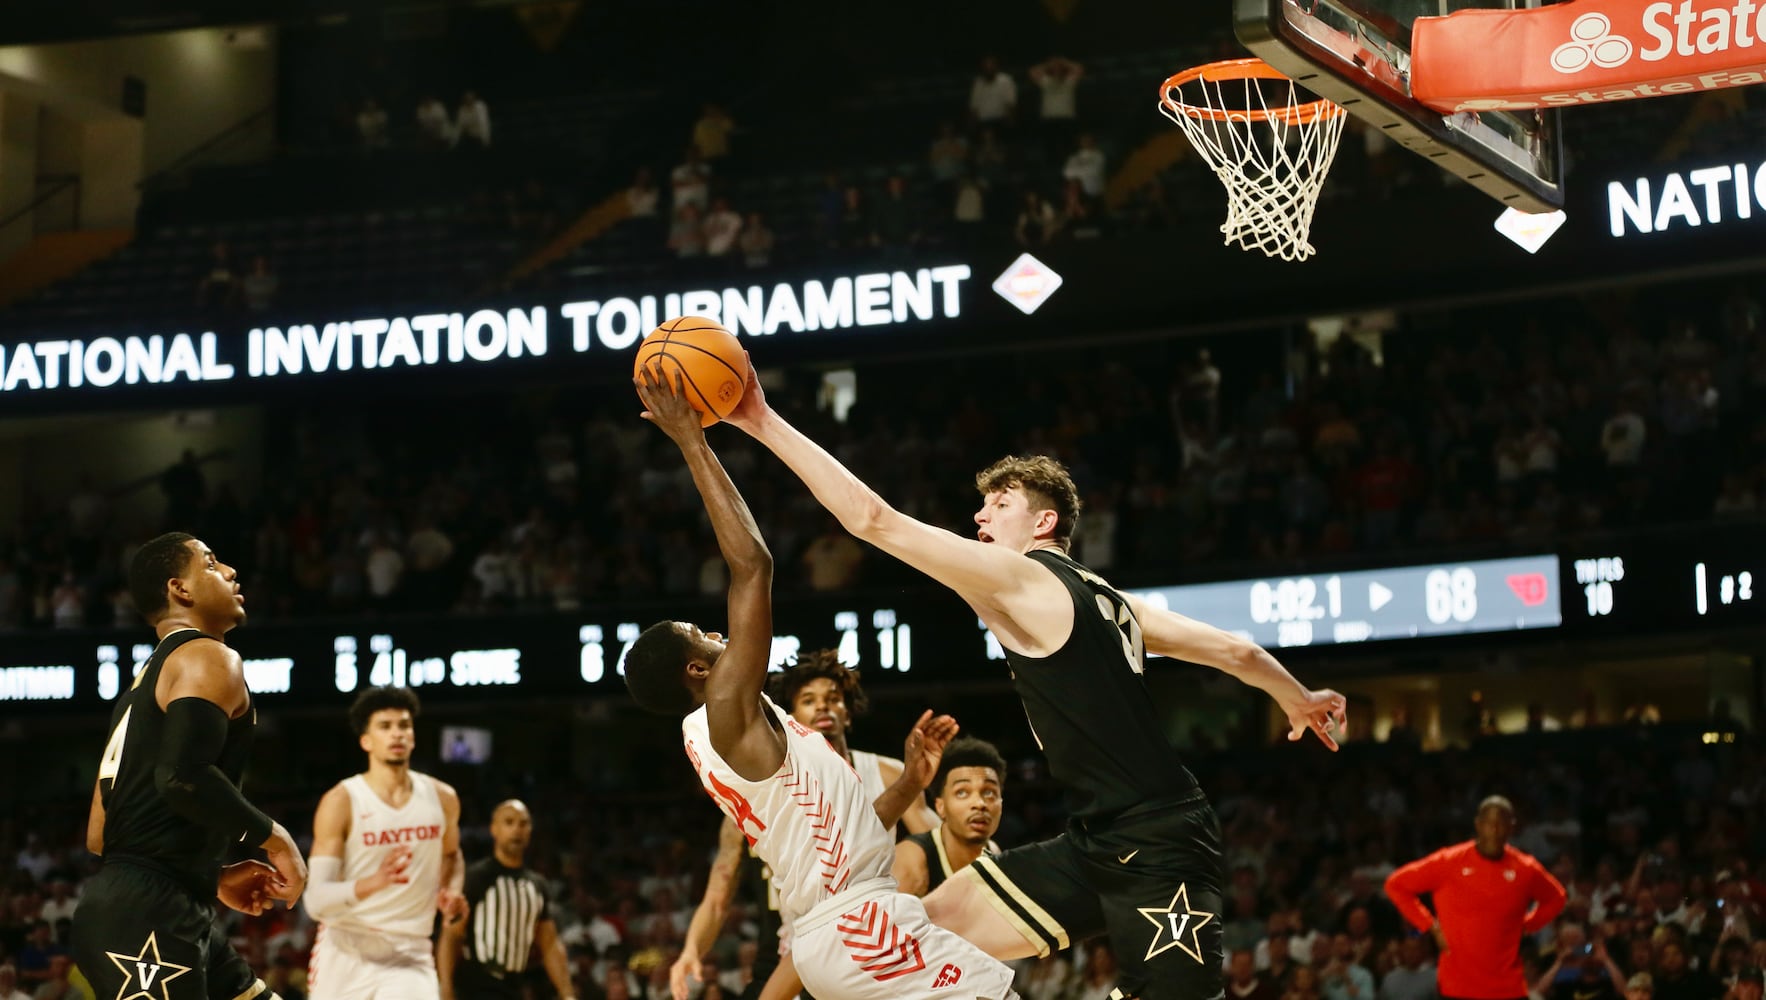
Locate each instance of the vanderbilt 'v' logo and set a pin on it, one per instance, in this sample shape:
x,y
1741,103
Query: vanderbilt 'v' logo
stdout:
x,y
144,971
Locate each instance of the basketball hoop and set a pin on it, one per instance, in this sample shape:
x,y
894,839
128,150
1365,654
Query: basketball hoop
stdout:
x,y
1270,150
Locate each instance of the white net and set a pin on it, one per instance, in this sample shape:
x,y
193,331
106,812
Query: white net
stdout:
x,y
1270,149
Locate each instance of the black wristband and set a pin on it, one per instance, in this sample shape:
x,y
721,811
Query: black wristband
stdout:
x,y
193,785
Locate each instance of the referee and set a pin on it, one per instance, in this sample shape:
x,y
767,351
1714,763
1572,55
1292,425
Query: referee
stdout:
x,y
510,911
1487,895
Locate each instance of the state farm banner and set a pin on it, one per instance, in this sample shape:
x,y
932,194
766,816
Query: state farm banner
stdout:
x,y
1585,52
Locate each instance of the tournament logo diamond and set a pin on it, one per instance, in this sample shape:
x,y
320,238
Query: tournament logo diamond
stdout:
x,y
1027,284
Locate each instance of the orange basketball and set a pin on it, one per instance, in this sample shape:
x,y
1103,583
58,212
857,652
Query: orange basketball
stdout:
x,y
710,356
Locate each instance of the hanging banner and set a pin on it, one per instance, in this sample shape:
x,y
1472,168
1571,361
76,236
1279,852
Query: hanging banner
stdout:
x,y
1585,52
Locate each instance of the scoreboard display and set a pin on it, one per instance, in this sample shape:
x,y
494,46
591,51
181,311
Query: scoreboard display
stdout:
x,y
1707,579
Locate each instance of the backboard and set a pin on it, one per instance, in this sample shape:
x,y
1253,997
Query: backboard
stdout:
x,y
1357,53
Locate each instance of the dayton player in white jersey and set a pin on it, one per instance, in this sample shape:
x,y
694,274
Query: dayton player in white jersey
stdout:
x,y
793,796
386,846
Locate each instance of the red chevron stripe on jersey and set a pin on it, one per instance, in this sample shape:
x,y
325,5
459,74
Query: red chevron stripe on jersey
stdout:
x,y
824,827
878,946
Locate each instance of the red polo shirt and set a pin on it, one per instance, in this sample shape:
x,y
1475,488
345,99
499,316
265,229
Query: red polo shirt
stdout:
x,y
1484,907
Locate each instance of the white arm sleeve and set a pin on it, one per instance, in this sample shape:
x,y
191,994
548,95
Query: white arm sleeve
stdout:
x,y
326,897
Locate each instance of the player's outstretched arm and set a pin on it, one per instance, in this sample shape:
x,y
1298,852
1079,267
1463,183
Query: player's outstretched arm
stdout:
x,y
982,574
922,753
203,686
1171,634
919,817
732,690
714,909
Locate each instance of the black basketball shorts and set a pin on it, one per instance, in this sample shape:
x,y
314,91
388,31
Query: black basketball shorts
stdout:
x,y
138,933
1149,879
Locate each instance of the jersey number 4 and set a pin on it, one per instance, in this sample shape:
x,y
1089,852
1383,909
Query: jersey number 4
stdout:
x,y
1133,645
112,762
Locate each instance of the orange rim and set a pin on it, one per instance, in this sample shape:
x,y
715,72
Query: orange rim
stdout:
x,y
1242,69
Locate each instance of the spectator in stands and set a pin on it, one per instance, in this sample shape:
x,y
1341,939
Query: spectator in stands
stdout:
x,y
39,951
722,227
1593,975
1036,221
259,286
1098,980
686,236
472,121
9,984
855,232
434,130
711,133
1058,79
895,220
371,125
57,986
1077,219
970,209
1623,436
990,157
183,485
832,559
690,181
756,242
1086,165
61,903
1243,982
993,96
1737,499
1341,977
68,602
948,156
385,570
641,197
1413,978
218,289
1676,979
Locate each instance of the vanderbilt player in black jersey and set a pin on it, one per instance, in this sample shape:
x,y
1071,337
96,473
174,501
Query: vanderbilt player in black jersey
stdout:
x,y
968,796
1141,858
167,810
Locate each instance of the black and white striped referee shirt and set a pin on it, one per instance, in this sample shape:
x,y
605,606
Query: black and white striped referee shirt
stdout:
x,y
506,904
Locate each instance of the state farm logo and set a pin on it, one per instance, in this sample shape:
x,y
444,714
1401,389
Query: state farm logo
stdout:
x,y
1591,42
1684,30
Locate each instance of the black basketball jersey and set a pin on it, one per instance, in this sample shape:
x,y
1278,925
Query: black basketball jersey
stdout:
x,y
1089,707
937,860
138,825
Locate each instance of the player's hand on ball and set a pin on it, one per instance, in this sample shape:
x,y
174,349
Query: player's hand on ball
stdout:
x,y
665,403
251,887
924,749
452,906
1324,712
686,965
752,407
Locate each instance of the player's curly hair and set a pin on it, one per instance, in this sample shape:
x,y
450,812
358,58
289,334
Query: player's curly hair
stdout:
x,y
656,670
821,663
380,699
967,751
1048,484
158,560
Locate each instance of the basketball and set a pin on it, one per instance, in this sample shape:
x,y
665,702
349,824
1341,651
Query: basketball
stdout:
x,y
708,355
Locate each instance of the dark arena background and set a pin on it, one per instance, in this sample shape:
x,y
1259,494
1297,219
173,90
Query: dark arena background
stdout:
x,y
351,291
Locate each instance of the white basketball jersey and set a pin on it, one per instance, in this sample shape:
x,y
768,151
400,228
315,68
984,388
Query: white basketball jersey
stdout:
x,y
375,830
812,821
870,771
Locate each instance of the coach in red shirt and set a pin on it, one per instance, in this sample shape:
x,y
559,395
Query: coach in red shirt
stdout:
x,y
1487,895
